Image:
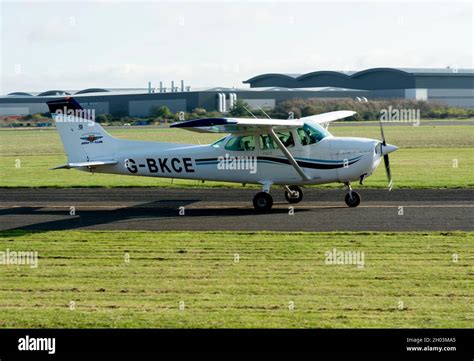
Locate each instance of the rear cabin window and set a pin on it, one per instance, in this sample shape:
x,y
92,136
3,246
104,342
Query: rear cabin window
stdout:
x,y
241,143
266,142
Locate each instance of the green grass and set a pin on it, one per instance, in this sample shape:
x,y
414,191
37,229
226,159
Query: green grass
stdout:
x,y
425,159
441,136
429,167
274,269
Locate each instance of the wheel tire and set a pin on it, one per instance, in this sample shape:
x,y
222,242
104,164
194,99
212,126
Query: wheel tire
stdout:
x,y
355,201
296,199
262,202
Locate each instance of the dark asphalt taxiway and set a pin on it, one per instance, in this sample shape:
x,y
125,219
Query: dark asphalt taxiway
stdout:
x,y
231,209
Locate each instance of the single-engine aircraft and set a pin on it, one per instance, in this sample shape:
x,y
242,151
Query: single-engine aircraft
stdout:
x,y
270,152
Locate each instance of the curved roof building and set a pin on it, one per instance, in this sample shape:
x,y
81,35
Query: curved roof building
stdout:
x,y
20,94
92,90
370,79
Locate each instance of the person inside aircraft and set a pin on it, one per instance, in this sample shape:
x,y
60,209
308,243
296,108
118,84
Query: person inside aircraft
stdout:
x,y
311,134
286,138
266,142
247,146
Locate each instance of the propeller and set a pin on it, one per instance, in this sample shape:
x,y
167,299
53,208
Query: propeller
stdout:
x,y
385,150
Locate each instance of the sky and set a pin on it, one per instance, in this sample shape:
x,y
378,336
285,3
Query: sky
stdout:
x,y
73,45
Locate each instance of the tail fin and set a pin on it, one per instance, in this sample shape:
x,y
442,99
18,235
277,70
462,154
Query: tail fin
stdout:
x,y
83,139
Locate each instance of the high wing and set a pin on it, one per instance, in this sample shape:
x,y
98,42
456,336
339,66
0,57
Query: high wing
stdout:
x,y
236,125
246,125
325,118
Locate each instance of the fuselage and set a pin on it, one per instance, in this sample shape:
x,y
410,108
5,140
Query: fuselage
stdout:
x,y
252,158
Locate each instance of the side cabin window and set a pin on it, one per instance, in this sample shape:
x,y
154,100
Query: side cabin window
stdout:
x,y
266,142
311,135
286,138
241,143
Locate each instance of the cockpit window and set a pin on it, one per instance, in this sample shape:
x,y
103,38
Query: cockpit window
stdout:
x,y
311,134
241,143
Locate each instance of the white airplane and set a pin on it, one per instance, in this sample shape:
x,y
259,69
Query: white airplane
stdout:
x,y
289,153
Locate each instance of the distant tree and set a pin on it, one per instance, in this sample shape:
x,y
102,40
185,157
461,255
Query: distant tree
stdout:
x,y
213,114
200,112
126,119
162,112
178,116
310,109
103,118
238,110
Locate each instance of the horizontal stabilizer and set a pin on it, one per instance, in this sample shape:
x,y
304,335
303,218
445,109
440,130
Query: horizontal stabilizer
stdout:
x,y
85,164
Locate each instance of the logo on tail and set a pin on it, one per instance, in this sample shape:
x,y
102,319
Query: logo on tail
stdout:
x,y
94,138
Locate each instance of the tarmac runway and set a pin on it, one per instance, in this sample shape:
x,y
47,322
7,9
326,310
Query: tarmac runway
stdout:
x,y
231,209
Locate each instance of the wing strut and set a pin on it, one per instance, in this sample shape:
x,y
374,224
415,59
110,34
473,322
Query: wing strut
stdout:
x,y
288,155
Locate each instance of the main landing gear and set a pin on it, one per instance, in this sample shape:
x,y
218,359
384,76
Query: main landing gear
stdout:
x,y
263,201
352,198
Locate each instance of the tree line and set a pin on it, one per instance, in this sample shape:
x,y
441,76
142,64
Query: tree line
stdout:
x,y
296,108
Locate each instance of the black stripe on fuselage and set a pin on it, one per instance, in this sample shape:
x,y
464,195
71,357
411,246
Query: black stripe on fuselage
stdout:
x,y
207,160
301,163
304,164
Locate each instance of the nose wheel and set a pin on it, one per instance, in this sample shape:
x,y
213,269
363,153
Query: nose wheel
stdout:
x,y
352,198
293,194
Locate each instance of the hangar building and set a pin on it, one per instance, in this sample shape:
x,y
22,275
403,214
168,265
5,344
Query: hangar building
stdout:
x,y
450,86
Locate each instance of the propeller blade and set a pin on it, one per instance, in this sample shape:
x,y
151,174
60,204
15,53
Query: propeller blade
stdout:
x,y
387,170
381,133
385,157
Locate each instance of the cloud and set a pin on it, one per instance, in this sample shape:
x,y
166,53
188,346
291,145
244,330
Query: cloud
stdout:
x,y
55,30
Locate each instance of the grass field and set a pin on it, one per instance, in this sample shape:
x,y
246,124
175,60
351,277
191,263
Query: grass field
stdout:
x,y
425,159
239,279
178,279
